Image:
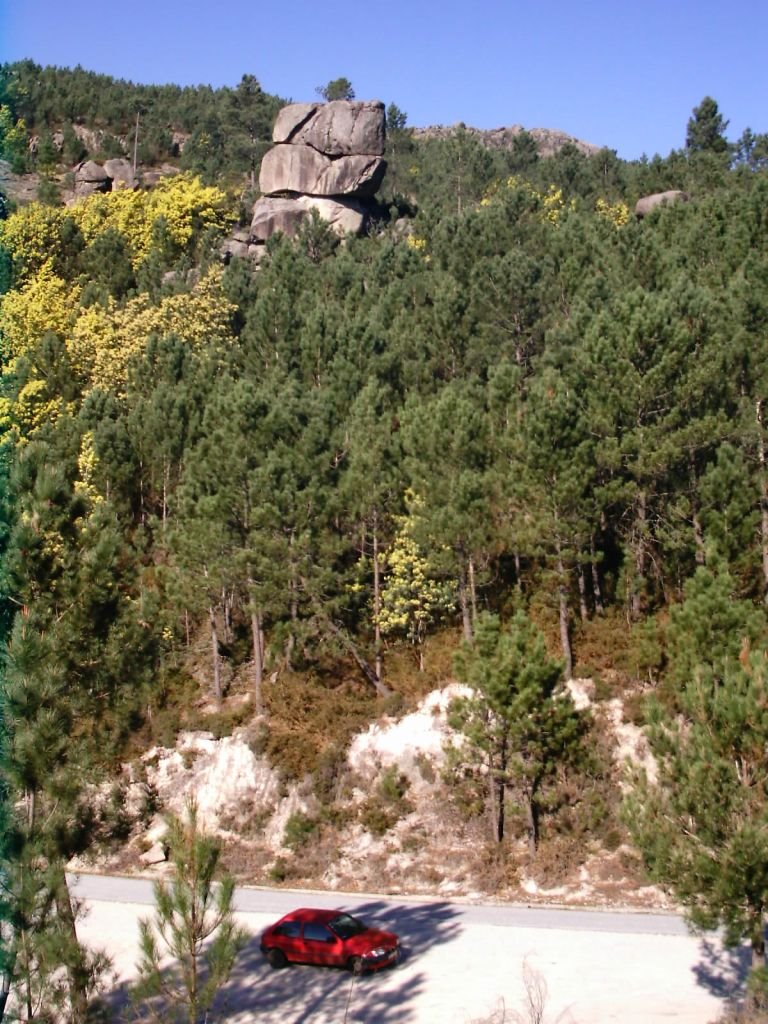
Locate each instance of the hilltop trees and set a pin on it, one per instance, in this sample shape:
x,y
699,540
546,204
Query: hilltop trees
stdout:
x,y
336,89
706,129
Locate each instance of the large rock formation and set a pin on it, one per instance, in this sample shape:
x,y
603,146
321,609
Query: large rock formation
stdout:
x,y
91,177
273,214
338,128
121,172
327,157
303,170
645,204
548,140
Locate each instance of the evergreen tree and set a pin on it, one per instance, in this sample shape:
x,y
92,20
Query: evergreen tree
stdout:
x,y
194,924
706,129
446,450
336,89
702,822
519,726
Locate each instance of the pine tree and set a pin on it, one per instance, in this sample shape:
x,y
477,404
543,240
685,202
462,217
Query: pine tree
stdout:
x,y
706,129
194,924
519,726
701,822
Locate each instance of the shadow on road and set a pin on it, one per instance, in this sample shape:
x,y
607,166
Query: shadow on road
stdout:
x,y
301,994
721,971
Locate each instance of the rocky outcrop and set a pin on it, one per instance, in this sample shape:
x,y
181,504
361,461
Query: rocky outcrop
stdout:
x,y
339,128
548,140
303,170
120,172
113,175
327,157
273,214
645,204
91,177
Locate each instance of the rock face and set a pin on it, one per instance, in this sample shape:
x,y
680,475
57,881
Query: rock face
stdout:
x,y
338,128
327,157
272,214
121,173
548,140
114,175
301,169
644,205
91,177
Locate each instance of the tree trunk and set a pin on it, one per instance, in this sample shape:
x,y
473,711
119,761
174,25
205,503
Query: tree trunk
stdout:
x,y
583,609
756,1000
532,822
215,655
562,596
466,621
698,533
472,591
378,663
166,488
290,642
5,987
501,791
758,946
258,660
596,590
76,966
763,496
636,600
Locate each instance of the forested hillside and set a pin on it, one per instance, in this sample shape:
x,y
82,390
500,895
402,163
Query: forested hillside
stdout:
x,y
512,399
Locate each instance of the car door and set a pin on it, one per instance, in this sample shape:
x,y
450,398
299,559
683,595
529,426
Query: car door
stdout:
x,y
288,938
320,944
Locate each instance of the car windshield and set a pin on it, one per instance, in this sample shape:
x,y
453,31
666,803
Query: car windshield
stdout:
x,y
346,926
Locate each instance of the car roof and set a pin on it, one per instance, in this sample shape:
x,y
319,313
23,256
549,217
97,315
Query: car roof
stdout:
x,y
314,914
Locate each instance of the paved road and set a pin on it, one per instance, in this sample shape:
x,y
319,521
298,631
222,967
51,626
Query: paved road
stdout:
x,y
276,902
462,962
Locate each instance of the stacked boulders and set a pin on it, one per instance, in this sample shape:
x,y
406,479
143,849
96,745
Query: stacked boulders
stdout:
x,y
113,175
327,157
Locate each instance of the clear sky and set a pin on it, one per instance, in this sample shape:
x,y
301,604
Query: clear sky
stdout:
x,y
617,73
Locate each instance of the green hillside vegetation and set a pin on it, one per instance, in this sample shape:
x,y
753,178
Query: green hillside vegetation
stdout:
x,y
512,405
224,130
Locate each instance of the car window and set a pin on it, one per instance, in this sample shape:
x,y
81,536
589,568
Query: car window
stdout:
x,y
291,929
317,932
346,926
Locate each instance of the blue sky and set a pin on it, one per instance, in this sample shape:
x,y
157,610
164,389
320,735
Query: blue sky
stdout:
x,y
621,73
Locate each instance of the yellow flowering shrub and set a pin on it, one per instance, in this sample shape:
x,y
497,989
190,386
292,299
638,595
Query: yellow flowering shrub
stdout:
x,y
411,598
33,235
44,303
616,213
86,465
181,203
104,339
551,204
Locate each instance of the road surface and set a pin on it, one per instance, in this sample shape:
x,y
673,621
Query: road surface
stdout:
x,y
461,962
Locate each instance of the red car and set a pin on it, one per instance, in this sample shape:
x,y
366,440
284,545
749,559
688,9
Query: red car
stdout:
x,y
330,937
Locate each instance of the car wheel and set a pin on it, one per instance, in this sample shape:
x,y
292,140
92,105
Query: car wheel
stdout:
x,y
276,958
356,965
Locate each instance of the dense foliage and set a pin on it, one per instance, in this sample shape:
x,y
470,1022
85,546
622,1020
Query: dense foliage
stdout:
x,y
226,129
511,394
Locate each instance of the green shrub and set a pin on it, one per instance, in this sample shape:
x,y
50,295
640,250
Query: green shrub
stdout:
x,y
299,829
387,804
